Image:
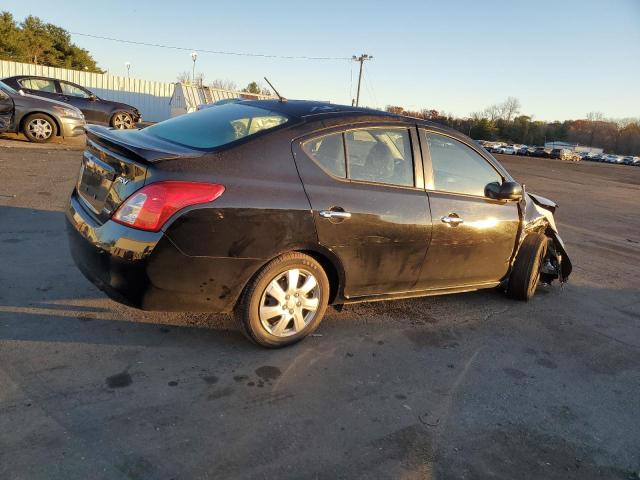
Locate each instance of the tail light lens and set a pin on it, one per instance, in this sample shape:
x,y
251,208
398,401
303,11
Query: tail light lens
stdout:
x,y
150,207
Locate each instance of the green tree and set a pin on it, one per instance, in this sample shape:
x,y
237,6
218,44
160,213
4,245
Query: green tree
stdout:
x,y
254,87
34,41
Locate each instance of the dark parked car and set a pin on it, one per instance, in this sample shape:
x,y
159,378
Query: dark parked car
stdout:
x,y
95,109
274,210
39,119
542,152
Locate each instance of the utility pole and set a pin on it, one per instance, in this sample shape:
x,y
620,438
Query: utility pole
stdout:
x,y
194,57
360,59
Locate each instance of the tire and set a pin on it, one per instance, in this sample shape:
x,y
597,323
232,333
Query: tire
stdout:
x,y
122,121
39,128
273,317
526,269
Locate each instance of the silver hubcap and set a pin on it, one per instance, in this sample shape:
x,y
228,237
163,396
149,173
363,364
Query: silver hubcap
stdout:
x,y
122,121
289,303
40,129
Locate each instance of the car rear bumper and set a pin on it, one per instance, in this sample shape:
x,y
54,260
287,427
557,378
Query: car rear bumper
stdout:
x,y
146,270
71,127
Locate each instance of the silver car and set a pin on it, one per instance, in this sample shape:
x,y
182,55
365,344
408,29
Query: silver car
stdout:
x,y
40,119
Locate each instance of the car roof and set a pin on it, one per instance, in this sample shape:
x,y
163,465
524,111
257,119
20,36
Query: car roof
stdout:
x,y
306,109
310,110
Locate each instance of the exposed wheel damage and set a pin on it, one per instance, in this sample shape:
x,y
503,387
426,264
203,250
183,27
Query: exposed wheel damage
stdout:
x,y
538,218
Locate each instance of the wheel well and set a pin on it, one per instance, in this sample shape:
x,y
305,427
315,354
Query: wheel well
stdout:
x,y
53,119
330,269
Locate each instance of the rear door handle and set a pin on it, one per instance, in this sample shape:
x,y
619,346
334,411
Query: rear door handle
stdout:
x,y
334,214
452,220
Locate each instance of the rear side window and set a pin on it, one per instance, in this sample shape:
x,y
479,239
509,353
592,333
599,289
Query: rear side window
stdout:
x,y
328,152
73,91
458,168
216,126
39,84
380,155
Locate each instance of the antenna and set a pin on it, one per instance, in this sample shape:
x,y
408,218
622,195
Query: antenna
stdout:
x,y
282,99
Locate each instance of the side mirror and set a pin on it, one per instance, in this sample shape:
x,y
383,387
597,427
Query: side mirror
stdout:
x,y
93,98
21,92
504,191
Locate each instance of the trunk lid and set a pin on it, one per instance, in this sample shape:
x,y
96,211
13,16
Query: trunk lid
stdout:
x,y
115,164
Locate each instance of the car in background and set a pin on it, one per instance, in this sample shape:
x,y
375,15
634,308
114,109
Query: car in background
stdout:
x,y
39,119
571,156
95,109
507,150
631,160
522,149
274,210
542,152
612,158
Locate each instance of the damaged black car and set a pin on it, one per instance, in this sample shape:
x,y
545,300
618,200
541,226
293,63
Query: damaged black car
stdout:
x,y
274,210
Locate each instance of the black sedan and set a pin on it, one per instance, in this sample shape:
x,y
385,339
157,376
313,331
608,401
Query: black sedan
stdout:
x,y
95,109
274,210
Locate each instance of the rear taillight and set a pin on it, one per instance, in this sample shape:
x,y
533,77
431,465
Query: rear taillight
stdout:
x,y
151,206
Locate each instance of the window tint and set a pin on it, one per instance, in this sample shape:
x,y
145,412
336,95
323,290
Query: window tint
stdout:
x,y
40,84
216,126
457,168
73,91
380,155
328,151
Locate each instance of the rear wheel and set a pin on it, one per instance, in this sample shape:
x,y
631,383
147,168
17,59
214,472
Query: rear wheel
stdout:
x,y
39,128
285,302
122,121
526,269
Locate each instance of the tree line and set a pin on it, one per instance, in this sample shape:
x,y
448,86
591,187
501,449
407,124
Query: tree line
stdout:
x,y
34,41
503,122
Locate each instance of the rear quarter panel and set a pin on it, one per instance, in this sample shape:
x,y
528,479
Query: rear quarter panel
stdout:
x,y
263,212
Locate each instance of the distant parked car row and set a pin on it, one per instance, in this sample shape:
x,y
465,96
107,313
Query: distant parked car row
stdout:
x,y
559,153
612,158
40,107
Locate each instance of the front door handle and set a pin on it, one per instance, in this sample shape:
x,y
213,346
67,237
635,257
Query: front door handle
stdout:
x,y
452,220
335,214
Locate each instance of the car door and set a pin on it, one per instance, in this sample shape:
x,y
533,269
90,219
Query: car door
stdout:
x,y
83,99
6,111
369,204
41,87
473,237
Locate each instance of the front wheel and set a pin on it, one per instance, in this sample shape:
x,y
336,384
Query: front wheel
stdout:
x,y
39,128
122,121
285,302
524,277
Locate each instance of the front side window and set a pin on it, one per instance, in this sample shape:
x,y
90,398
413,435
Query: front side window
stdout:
x,y
328,152
39,84
381,155
458,168
73,91
216,126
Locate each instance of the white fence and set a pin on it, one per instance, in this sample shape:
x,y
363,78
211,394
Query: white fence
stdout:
x,y
150,97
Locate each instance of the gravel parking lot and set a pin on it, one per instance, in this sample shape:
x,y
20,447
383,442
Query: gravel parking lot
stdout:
x,y
462,386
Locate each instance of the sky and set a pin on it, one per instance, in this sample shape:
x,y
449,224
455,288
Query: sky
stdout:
x,y
560,58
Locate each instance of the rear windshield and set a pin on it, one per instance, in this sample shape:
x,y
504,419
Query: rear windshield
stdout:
x,y
216,126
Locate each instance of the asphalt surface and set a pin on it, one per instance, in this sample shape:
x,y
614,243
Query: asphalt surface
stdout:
x,y
455,387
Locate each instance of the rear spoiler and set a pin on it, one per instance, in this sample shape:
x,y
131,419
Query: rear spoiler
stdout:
x,y
147,148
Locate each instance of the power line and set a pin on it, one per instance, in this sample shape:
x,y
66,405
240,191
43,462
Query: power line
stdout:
x,y
215,52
